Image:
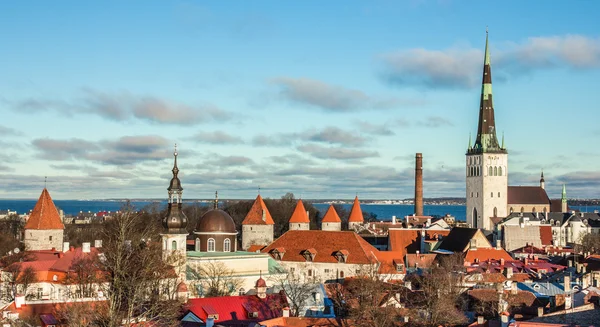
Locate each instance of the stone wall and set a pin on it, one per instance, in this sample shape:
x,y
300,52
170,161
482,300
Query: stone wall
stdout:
x,y
43,239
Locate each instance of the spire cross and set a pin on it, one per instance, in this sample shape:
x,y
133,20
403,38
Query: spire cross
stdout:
x,y
216,199
45,181
258,189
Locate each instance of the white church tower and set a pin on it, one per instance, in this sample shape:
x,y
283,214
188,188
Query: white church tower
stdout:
x,y
487,162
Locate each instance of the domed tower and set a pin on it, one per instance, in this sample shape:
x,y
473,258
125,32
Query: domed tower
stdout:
x,y
175,222
216,232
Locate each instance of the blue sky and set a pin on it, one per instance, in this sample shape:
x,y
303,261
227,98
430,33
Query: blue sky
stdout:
x,y
325,99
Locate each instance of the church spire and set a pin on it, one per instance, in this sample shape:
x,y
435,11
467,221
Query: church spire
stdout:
x,y
175,222
486,140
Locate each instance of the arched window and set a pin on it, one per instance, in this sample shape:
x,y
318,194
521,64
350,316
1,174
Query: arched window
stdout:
x,y
499,171
174,245
198,244
522,209
164,244
498,194
491,194
227,245
495,212
511,210
545,210
471,194
495,171
211,245
490,171
533,210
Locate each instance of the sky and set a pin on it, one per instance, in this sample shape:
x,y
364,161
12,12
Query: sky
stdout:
x,y
325,99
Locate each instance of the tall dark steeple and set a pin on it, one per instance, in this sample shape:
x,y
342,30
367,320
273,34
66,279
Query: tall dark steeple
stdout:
x,y
486,140
175,222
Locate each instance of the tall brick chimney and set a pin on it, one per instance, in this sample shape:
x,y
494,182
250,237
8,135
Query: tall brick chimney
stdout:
x,y
419,184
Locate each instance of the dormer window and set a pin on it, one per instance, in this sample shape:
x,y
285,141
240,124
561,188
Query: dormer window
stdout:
x,y
278,253
309,254
341,256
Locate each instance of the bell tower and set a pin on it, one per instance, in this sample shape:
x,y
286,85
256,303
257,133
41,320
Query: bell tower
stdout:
x,y
174,223
486,161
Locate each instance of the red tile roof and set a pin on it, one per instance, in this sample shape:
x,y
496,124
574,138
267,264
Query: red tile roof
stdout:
x,y
331,216
44,214
47,264
407,240
420,260
356,215
484,254
255,248
230,308
326,244
546,234
527,195
389,260
299,215
521,298
258,214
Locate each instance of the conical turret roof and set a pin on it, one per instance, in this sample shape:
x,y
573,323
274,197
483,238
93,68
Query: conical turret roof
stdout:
x,y
331,216
299,215
258,214
44,214
356,215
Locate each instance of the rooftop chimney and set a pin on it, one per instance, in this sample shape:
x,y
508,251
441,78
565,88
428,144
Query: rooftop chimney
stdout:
x,y
85,247
65,246
419,184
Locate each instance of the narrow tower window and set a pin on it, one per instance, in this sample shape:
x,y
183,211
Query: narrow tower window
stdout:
x,y
499,171
490,171
174,245
227,245
495,171
197,244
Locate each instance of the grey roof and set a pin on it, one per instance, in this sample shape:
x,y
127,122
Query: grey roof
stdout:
x,y
458,239
544,289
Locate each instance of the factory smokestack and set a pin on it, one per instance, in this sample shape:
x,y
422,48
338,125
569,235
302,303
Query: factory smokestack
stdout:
x,y
419,184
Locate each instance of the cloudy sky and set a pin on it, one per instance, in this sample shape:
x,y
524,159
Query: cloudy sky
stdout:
x,y
325,99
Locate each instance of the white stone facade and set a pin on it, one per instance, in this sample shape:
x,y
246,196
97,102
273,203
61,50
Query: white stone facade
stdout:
x,y
320,272
299,226
332,226
174,249
43,239
487,186
256,235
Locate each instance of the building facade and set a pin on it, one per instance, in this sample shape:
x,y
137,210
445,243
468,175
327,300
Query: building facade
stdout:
x,y
486,162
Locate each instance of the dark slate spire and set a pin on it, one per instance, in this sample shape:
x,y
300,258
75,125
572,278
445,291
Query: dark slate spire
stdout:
x,y
486,140
175,222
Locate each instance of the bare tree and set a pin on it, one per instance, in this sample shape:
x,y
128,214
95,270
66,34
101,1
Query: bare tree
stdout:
x,y
296,290
85,275
213,278
18,280
442,288
135,272
588,242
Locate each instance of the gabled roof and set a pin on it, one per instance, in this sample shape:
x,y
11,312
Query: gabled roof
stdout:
x,y
44,214
546,234
258,214
306,322
356,215
299,215
458,239
527,195
326,244
230,308
331,216
420,260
